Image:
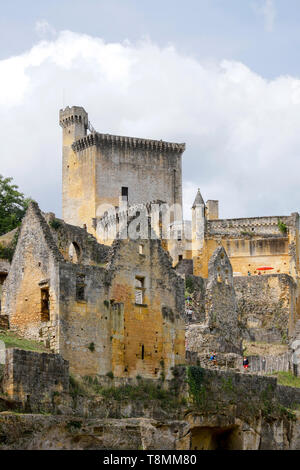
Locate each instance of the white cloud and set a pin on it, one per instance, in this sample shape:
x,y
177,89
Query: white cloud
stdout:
x,y
241,130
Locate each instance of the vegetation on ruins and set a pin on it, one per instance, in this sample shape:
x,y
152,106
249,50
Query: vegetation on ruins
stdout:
x,y
145,391
282,226
189,285
55,224
197,389
248,234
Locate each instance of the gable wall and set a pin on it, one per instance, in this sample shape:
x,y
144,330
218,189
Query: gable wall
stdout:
x,y
32,263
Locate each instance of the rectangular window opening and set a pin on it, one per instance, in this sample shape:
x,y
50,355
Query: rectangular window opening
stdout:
x,y
124,193
45,304
139,290
80,287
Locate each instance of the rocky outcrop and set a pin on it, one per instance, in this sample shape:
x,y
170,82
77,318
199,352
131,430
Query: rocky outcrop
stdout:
x,y
197,431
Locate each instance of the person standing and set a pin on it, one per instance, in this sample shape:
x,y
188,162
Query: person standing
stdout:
x,y
245,363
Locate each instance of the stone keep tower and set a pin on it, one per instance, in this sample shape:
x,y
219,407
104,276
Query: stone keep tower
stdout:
x,y
101,170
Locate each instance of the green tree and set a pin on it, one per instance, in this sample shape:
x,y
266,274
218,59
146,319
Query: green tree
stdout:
x,y
13,205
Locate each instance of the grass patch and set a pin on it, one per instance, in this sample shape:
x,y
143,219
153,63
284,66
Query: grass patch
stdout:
x,y
287,379
12,340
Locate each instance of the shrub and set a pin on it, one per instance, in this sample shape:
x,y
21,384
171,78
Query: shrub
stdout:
x,y
55,224
189,284
282,226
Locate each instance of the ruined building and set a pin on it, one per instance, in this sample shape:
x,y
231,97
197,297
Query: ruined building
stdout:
x,y
115,303
264,254
106,310
251,243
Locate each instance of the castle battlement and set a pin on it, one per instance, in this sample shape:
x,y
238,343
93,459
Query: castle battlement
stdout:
x,y
129,142
73,115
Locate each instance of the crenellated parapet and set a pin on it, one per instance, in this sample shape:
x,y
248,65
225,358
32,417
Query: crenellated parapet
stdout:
x,y
73,115
126,142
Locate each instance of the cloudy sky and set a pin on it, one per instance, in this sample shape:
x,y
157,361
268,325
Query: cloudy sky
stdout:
x,y
221,75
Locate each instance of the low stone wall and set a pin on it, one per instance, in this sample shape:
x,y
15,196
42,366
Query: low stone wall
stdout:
x,y
33,378
250,393
268,364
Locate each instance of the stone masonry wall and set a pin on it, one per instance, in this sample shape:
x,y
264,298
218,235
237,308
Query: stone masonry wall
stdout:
x,y
32,378
97,166
219,331
266,306
34,267
150,341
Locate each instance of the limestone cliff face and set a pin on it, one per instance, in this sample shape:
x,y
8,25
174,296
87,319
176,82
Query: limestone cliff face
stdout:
x,y
196,432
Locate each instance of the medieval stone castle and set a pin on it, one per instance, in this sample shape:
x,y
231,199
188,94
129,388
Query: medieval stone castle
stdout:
x,y
111,302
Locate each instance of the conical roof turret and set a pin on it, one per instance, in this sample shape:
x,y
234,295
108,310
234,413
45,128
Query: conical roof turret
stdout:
x,y
198,199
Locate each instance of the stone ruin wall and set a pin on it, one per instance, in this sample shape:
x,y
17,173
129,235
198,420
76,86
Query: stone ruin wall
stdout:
x,y
107,331
32,378
267,307
217,328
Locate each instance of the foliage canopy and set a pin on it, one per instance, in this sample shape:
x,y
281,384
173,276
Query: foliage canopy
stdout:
x,y
13,205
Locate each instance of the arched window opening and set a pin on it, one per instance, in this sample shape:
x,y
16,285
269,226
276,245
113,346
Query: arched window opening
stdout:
x,y
74,253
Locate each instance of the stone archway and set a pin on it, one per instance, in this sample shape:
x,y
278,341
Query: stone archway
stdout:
x,y
74,253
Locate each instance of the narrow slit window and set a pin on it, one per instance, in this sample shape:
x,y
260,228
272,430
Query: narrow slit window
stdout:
x,y
80,287
143,352
45,304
